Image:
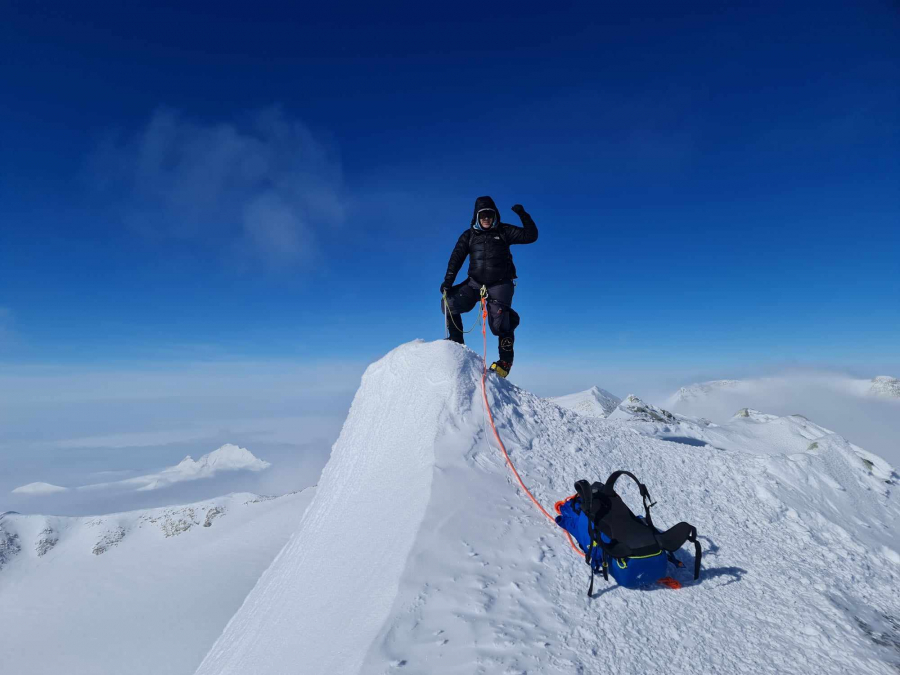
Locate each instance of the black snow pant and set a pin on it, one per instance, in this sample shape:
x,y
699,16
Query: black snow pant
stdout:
x,y
502,318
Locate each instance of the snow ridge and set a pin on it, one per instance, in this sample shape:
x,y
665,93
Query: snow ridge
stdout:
x,y
420,552
324,599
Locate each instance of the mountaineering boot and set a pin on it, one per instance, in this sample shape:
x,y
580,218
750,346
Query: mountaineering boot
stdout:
x,y
502,368
505,347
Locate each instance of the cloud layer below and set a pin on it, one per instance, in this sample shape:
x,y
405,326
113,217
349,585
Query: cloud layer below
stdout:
x,y
848,406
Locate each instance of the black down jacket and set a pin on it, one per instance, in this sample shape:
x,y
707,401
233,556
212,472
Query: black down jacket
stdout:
x,y
489,258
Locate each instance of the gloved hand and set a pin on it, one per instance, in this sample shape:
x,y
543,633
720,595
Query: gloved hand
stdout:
x,y
518,209
445,287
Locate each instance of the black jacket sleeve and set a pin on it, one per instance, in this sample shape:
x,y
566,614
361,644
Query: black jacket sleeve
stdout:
x,y
458,257
521,235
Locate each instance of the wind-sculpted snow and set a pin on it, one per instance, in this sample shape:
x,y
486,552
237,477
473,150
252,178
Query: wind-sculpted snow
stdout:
x,y
420,554
330,591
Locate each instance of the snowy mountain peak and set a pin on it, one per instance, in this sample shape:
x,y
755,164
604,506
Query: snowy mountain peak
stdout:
x,y
885,386
39,489
231,458
633,408
594,402
702,389
226,458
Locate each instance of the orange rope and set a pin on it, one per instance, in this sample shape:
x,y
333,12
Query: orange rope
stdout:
x,y
497,435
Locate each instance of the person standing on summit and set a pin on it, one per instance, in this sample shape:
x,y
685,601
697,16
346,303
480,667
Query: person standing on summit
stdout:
x,y
486,242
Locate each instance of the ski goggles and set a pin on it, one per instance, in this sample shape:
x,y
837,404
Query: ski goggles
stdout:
x,y
487,214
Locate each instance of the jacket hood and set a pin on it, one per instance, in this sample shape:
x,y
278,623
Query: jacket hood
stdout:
x,y
484,203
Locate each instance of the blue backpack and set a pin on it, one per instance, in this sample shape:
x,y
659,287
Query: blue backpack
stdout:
x,y
617,542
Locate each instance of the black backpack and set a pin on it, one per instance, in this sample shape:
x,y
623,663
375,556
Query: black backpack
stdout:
x,y
615,533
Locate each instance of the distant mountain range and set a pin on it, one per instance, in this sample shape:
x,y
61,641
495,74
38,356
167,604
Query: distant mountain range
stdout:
x,y
226,458
143,592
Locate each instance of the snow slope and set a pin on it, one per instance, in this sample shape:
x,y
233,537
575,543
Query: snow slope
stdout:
x,y
143,592
419,554
595,402
749,431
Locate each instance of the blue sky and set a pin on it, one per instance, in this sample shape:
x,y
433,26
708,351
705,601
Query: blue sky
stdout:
x,y
716,188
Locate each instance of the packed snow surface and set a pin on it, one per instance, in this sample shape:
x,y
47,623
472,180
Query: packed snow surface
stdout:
x,y
595,402
419,554
143,592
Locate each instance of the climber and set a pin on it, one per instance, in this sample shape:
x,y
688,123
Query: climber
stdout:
x,y
486,242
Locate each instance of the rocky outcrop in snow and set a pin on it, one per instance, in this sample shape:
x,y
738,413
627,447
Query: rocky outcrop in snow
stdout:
x,y
885,387
47,539
9,545
142,592
633,408
108,540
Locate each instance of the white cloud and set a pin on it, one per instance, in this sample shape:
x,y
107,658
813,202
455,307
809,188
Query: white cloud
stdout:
x,y
256,190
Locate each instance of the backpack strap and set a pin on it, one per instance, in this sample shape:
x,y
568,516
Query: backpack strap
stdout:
x,y
595,504
698,552
673,539
645,493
